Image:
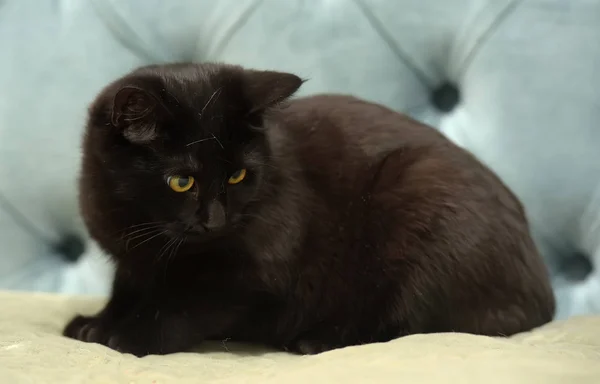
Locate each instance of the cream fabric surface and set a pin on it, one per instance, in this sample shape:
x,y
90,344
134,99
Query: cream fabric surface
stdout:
x,y
32,351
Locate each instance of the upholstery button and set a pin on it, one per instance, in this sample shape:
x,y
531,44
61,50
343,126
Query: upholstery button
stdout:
x,y
445,97
577,267
70,248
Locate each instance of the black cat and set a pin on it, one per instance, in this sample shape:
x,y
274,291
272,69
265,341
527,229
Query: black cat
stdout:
x,y
309,225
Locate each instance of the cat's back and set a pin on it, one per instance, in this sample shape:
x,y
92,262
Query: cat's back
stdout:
x,y
330,131
385,182
340,126
348,146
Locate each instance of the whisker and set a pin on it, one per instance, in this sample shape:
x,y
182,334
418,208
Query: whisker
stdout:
x,y
218,91
171,255
160,251
199,141
183,239
147,224
206,139
147,240
143,229
165,248
147,232
213,135
174,251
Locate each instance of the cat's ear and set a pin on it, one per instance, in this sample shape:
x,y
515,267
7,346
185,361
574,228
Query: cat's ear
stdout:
x,y
265,89
135,111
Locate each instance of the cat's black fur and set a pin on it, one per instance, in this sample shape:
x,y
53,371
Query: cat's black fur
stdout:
x,y
354,225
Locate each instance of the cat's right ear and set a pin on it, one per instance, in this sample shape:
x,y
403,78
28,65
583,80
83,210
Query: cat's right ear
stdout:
x,y
135,111
265,89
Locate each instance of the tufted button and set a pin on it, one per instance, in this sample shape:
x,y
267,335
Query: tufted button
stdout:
x,y
70,248
577,267
445,97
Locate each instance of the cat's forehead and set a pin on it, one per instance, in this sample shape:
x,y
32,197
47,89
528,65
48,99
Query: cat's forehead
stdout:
x,y
196,154
204,104
185,160
194,82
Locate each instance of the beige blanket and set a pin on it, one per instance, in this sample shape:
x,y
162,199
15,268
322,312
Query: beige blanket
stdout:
x,y
32,351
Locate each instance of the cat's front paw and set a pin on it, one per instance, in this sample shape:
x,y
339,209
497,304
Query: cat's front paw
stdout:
x,y
92,330
152,335
139,335
87,328
135,343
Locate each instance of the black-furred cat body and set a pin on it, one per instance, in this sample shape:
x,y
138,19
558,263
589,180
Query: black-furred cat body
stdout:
x,y
310,224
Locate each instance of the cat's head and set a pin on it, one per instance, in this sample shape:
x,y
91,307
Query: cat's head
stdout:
x,y
181,147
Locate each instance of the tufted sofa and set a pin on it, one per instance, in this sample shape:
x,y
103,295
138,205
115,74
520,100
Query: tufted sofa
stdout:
x,y
517,82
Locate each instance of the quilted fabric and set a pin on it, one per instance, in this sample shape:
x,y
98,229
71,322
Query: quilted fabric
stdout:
x,y
525,70
32,351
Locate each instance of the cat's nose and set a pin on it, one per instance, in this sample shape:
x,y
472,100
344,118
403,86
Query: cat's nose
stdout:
x,y
215,216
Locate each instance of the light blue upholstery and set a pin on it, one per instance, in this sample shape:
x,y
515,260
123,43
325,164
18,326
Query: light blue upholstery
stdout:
x,y
527,73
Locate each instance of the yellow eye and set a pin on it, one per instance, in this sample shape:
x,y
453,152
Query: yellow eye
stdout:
x,y
237,176
180,183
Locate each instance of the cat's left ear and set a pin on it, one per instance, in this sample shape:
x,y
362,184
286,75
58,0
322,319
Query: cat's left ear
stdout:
x,y
136,111
265,89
